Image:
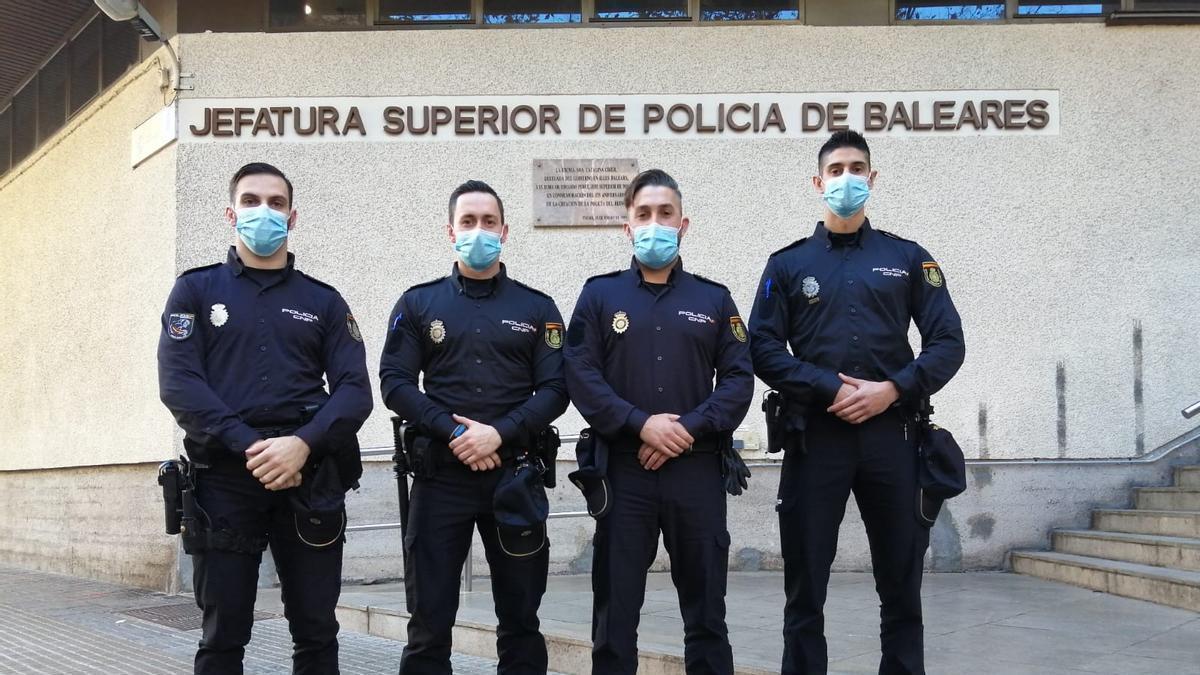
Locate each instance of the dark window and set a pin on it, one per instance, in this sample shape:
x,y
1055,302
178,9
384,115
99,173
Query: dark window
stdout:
x,y
625,10
749,10
52,95
1084,8
425,11
85,66
24,122
944,11
318,13
532,11
120,49
5,139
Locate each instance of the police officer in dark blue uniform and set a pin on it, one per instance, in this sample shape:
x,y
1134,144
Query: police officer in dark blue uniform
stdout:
x,y
842,300
245,349
644,345
490,349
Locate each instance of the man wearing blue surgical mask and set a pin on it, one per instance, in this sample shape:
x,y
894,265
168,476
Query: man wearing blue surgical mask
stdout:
x,y
245,352
829,332
473,364
645,346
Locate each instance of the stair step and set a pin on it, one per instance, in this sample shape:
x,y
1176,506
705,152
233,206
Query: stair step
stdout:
x,y
1176,588
1167,498
1144,549
1187,476
1144,521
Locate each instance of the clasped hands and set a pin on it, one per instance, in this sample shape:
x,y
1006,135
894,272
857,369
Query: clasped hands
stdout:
x,y
859,400
277,462
663,438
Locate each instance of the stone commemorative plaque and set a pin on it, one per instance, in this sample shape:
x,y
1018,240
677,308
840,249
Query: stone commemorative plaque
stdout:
x,y
580,192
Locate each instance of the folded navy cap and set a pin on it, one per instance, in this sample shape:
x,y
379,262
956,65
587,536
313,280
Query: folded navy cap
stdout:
x,y
520,508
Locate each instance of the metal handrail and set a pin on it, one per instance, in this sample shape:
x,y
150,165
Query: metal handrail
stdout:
x,y
1191,411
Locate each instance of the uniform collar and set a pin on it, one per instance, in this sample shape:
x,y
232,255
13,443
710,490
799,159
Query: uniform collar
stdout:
x,y
237,266
492,284
856,239
675,271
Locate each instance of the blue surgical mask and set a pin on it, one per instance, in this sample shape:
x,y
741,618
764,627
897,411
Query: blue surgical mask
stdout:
x,y
655,246
478,249
846,194
262,229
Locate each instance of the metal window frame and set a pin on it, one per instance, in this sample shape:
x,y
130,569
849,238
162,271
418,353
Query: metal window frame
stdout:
x,y
9,164
1010,17
33,80
587,19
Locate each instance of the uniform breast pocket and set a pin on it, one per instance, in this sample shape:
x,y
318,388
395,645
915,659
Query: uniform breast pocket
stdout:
x,y
299,329
700,329
515,336
888,282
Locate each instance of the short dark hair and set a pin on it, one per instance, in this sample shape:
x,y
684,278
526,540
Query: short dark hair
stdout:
x,y
474,186
254,168
648,178
843,139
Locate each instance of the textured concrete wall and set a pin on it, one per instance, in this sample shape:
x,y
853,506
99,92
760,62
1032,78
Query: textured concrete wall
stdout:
x,y
86,260
97,522
1056,248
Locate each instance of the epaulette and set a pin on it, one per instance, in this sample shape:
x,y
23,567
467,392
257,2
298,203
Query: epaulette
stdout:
x,y
602,276
316,281
790,246
894,236
710,281
199,269
531,289
431,282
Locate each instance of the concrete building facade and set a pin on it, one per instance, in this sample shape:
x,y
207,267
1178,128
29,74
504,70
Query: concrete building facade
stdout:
x,y
1070,249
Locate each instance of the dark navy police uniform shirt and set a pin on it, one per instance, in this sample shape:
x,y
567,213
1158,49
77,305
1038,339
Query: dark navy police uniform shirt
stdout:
x,y
634,351
242,349
491,351
843,303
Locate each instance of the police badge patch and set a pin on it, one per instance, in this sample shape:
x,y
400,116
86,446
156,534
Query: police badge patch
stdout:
x,y
437,331
738,328
933,274
179,326
810,287
218,315
620,322
352,327
554,335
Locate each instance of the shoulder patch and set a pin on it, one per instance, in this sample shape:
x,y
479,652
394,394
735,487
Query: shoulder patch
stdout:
x,y
790,246
894,236
710,281
200,269
603,276
316,281
531,289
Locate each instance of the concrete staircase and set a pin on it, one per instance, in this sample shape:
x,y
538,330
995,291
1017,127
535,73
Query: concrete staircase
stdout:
x,y
1150,552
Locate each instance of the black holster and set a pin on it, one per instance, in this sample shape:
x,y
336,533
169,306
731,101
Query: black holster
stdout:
x,y
173,475
546,445
786,424
418,452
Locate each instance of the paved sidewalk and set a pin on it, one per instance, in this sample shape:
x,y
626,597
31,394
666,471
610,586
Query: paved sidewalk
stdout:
x,y
59,625
981,623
